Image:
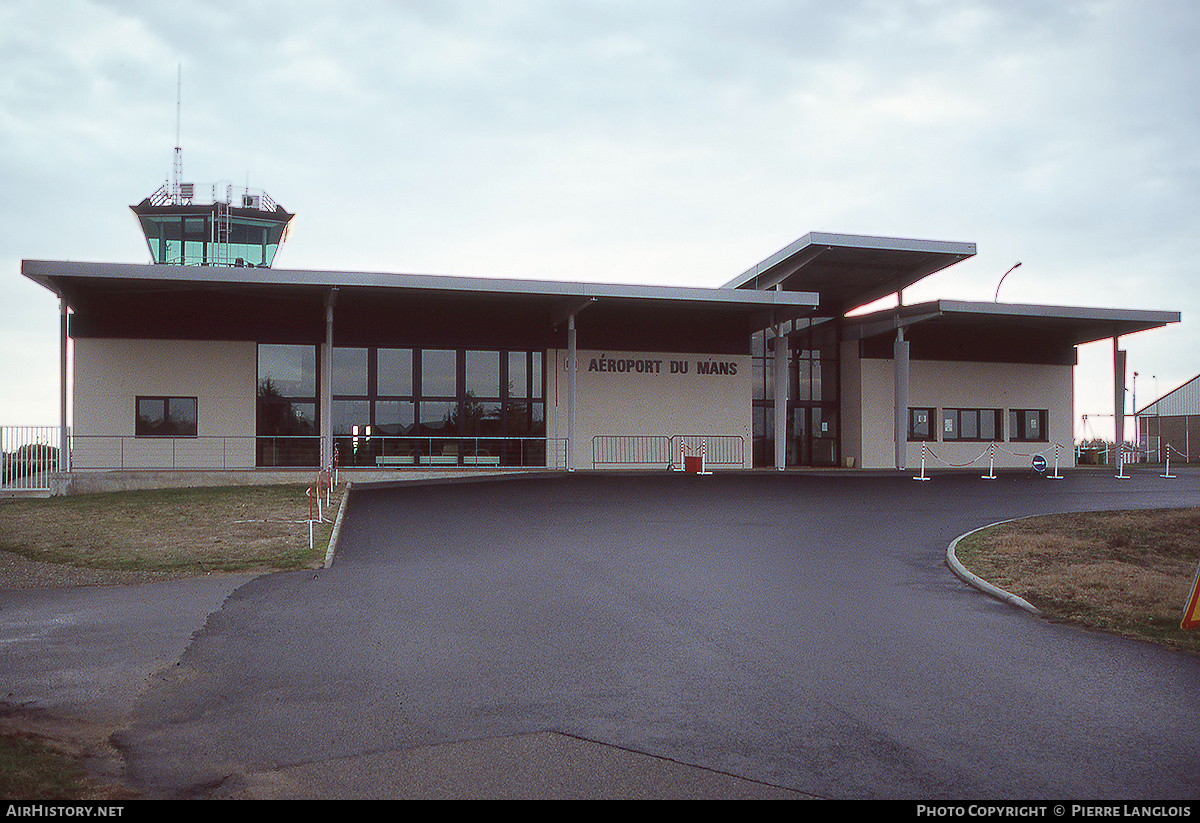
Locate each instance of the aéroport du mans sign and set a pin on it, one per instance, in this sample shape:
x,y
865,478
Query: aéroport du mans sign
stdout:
x,y
638,365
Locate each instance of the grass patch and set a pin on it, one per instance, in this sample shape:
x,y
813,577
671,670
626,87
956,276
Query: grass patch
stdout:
x,y
38,767
176,531
31,769
1128,572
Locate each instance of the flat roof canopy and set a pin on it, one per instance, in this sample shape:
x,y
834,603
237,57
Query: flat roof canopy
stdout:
x,y
1000,332
218,302
850,270
1072,324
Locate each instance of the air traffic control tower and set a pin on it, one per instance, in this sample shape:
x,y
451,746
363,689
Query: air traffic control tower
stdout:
x,y
183,227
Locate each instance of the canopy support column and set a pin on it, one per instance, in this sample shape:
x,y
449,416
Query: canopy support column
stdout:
x,y
572,362
900,351
780,388
327,383
1118,404
64,445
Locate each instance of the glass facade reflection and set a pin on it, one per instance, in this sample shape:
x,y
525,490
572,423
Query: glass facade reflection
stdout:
x,y
287,406
398,406
812,417
200,238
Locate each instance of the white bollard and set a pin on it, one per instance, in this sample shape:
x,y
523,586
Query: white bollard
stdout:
x,y
991,475
922,477
1168,474
1056,475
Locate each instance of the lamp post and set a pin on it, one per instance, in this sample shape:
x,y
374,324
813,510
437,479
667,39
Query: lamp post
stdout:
x,y
1006,274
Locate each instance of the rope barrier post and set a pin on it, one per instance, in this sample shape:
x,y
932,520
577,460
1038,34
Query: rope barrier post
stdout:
x,y
704,458
320,515
1120,455
1056,475
682,465
309,492
922,477
991,475
1168,474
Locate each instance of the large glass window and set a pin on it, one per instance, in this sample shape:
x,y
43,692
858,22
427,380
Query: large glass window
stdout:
x,y
350,371
394,372
482,374
287,405
439,373
396,406
394,417
287,371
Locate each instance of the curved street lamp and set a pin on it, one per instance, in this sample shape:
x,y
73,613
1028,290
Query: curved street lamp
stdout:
x,y
1006,274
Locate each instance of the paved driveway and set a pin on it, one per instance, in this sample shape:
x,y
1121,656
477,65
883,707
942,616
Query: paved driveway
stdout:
x,y
797,631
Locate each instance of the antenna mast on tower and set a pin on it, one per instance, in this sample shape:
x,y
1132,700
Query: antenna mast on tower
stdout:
x,y
176,191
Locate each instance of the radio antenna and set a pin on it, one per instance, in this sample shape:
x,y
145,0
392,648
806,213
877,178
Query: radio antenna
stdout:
x,y
176,193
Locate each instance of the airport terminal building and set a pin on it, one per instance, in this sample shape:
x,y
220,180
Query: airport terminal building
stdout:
x,y
210,358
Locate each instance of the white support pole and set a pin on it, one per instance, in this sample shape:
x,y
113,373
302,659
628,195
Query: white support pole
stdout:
x,y
64,439
572,359
326,455
1119,408
900,352
781,397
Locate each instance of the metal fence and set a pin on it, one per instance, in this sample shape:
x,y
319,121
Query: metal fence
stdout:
x,y
667,451
402,450
107,452
31,457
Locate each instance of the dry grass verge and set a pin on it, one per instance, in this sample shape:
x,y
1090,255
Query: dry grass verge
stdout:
x,y
1128,572
170,532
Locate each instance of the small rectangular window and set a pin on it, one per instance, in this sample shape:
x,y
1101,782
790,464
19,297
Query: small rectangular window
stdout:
x,y
1028,425
166,417
970,424
920,425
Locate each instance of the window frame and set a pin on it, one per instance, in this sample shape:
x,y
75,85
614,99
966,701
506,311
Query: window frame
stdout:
x,y
959,414
1018,430
931,436
166,427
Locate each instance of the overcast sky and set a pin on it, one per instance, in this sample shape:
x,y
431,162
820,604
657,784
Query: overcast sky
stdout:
x,y
646,141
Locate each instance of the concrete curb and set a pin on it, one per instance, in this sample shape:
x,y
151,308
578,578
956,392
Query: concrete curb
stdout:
x,y
337,526
978,582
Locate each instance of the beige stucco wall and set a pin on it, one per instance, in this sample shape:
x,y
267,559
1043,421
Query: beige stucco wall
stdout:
x,y
640,393
111,374
940,384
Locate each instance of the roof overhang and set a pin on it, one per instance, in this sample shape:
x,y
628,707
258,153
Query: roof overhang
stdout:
x,y
1070,325
850,270
82,282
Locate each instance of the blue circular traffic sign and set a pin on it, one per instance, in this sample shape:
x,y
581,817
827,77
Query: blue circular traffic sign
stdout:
x,y
1039,463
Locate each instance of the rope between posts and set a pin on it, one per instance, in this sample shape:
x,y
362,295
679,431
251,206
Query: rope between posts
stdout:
x,y
955,465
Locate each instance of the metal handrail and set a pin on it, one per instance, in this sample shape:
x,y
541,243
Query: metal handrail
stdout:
x,y
124,452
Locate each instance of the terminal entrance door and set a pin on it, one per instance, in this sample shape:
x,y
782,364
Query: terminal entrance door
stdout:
x,y
814,436
812,418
